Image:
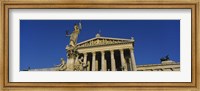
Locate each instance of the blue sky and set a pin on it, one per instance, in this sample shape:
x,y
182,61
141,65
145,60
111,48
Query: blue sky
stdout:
x,y
43,42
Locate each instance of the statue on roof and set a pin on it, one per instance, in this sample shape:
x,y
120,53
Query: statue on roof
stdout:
x,y
166,58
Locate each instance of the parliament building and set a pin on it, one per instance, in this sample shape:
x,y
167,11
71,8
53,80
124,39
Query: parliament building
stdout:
x,y
105,54
112,54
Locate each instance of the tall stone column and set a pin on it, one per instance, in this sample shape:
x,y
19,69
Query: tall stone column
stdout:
x,y
103,65
113,66
96,65
85,59
134,68
93,61
88,63
123,62
130,64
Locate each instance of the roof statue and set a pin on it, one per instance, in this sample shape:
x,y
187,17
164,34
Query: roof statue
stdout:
x,y
166,58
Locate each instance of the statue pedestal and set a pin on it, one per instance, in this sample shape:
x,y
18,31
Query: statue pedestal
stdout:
x,y
70,64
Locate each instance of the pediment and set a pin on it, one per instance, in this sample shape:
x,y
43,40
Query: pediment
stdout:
x,y
99,41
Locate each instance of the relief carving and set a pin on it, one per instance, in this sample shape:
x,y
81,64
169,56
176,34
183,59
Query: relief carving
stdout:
x,y
100,42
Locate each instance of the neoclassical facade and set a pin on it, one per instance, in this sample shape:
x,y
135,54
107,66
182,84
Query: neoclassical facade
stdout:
x,y
107,54
104,54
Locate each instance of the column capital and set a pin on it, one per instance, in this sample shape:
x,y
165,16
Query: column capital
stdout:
x,y
112,51
85,53
130,48
121,49
102,51
93,53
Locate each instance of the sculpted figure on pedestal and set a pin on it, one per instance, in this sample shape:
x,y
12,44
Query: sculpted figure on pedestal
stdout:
x,y
62,65
74,36
72,49
72,52
79,65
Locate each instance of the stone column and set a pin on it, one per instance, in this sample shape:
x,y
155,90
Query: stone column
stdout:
x,y
88,63
123,62
103,61
130,64
93,61
96,65
105,64
113,67
134,68
85,59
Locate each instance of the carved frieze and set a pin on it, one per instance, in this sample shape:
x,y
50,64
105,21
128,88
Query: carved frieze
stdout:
x,y
97,42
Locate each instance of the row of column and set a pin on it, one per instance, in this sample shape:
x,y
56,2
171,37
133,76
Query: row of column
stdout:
x,y
113,64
